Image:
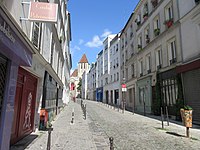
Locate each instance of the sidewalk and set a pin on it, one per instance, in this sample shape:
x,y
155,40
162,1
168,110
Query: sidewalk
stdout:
x,y
65,135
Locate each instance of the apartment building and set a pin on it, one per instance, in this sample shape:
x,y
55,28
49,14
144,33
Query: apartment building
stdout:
x,y
158,54
106,67
91,87
34,58
99,77
190,67
129,62
114,76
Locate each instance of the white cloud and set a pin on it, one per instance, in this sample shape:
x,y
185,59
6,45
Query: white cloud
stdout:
x,y
106,33
75,48
81,41
96,42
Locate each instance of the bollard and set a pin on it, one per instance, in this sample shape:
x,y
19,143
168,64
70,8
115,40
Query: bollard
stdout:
x,y
162,118
49,138
167,116
72,116
111,143
85,111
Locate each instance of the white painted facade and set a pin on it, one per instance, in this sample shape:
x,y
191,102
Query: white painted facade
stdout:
x,y
106,66
114,76
91,82
51,52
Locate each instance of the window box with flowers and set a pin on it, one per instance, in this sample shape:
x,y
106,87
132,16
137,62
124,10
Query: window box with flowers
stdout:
x,y
169,22
156,32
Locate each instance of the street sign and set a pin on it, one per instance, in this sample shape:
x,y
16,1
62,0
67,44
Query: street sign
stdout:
x,y
124,89
123,85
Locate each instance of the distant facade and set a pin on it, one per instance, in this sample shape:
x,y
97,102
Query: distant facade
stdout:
x,y
91,82
76,76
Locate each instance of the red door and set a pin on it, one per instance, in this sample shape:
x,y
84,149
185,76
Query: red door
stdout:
x,y
24,108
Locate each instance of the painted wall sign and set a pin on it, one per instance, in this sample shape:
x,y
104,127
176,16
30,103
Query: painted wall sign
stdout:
x,y
4,28
43,12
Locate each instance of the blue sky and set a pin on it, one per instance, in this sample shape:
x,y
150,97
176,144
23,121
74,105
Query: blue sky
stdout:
x,y
92,21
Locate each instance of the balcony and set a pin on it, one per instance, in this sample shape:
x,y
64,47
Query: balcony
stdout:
x,y
149,71
172,61
159,67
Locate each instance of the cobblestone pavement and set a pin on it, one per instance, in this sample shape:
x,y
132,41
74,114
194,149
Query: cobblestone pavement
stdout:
x,y
130,132
68,136
136,132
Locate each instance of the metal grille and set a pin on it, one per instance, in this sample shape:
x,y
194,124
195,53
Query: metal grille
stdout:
x,y
3,66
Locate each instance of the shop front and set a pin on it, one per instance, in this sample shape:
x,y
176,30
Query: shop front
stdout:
x,y
99,94
14,52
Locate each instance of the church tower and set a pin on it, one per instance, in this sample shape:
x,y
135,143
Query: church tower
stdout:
x,y
83,66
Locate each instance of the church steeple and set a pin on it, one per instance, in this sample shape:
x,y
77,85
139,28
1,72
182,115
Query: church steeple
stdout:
x,y
83,66
83,59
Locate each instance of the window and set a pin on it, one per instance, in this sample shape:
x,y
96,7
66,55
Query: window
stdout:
x,y
127,73
141,68
168,12
117,76
148,63
133,70
172,51
139,42
156,26
145,11
52,50
146,32
111,78
114,77
36,34
158,59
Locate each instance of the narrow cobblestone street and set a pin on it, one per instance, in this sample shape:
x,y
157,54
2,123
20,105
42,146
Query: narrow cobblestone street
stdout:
x,y
129,131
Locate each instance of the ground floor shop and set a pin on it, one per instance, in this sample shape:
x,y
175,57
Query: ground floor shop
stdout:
x,y
99,94
191,86
13,53
143,102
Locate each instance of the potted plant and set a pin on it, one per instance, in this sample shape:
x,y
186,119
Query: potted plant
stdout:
x,y
186,115
156,31
169,22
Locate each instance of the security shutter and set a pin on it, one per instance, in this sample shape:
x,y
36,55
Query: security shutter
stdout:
x,y
192,92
